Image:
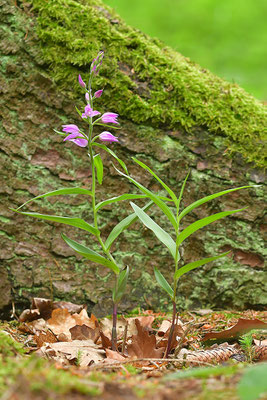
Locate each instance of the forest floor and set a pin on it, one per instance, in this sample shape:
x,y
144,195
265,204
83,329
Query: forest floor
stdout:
x,y
55,351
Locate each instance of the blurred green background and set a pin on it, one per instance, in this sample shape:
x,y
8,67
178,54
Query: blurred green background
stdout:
x,y
229,37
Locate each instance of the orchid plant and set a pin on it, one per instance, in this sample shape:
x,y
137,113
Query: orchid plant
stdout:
x,y
90,142
173,245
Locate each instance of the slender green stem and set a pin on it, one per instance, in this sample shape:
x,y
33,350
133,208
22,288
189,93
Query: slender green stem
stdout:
x,y
93,189
175,284
169,344
93,184
114,327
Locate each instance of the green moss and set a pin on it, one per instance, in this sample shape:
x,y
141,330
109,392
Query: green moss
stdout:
x,y
8,346
36,374
151,84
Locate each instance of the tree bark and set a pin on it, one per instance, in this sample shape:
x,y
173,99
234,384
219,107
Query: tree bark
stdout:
x,y
174,116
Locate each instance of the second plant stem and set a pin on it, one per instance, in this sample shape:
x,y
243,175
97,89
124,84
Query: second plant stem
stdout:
x,y
114,314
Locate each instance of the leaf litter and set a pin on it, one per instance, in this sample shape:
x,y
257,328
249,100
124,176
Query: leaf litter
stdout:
x,y
64,333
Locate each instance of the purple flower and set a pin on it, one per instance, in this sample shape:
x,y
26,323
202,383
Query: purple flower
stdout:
x,y
71,128
79,141
98,93
87,97
110,117
108,137
81,82
88,112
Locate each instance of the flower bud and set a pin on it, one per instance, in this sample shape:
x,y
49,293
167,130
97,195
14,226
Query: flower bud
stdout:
x,y
81,82
98,93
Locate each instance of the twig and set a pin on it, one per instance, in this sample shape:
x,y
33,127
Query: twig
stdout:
x,y
117,364
124,337
13,314
180,344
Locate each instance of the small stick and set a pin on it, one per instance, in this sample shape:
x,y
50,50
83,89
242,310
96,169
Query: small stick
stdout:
x,y
13,314
124,338
180,344
116,364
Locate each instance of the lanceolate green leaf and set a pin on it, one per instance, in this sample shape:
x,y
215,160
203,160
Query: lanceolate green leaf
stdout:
x,y
120,198
122,282
195,264
208,198
122,225
102,146
78,111
155,198
90,254
163,236
77,222
166,187
58,192
203,222
125,197
182,191
163,283
99,168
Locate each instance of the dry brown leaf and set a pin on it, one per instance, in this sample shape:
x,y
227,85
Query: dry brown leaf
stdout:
x,y
71,307
106,327
42,308
260,353
260,342
33,326
83,332
114,355
165,325
178,333
106,342
84,350
143,345
242,326
63,337
44,337
43,305
61,321
145,322
29,315
202,312
83,319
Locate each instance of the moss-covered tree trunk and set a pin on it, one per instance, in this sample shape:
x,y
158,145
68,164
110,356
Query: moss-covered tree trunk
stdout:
x,y
174,116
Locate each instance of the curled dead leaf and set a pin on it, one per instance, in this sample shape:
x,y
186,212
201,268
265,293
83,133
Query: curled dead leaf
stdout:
x,y
143,344
242,326
106,342
29,315
71,307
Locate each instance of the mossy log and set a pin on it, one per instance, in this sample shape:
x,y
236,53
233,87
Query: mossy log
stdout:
x,y
175,116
